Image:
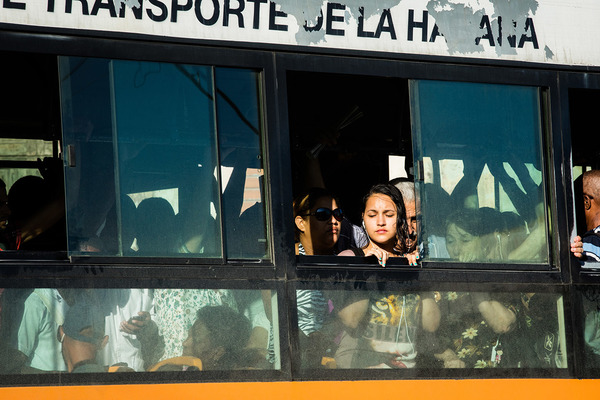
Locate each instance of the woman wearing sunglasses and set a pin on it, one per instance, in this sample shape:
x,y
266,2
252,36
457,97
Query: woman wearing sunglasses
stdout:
x,y
318,222
384,220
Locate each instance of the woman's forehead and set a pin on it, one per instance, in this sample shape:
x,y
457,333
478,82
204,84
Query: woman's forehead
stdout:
x,y
380,201
325,202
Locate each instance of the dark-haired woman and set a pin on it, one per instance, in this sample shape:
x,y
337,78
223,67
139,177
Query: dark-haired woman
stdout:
x,y
384,220
318,222
382,328
216,341
318,225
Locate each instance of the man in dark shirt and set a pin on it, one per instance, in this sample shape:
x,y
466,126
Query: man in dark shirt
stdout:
x,y
588,247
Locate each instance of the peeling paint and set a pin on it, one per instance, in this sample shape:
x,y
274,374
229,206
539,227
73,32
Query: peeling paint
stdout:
x,y
526,30
460,22
308,12
456,22
127,3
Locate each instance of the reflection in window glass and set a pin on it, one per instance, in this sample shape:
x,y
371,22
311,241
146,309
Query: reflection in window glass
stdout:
x,y
482,197
239,124
142,170
92,330
430,330
591,326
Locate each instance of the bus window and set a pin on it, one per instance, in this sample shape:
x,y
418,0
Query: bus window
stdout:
x,y
143,142
399,329
32,214
481,183
51,330
352,133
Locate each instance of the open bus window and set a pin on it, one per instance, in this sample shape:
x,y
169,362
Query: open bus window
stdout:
x,y
143,143
477,151
46,330
351,134
583,106
481,189
32,213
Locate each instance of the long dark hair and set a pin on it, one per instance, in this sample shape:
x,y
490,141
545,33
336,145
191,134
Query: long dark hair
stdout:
x,y
227,329
401,225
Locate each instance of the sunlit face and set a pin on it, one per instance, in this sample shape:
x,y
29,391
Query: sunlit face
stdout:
x,y
462,245
380,218
320,236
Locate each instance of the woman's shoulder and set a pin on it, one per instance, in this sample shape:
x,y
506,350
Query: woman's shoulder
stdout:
x,y
353,251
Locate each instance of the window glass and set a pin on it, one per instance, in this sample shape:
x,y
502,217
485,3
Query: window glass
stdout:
x,y
366,329
141,167
242,170
90,330
481,187
589,326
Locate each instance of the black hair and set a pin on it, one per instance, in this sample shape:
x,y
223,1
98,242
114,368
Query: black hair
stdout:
x,y
478,221
227,329
394,194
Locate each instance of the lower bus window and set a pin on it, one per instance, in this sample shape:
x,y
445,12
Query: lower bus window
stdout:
x,y
99,330
358,329
590,326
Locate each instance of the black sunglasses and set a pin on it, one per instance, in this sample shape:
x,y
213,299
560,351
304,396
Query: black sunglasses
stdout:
x,y
324,214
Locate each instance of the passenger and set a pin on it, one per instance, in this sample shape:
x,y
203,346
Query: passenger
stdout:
x,y
173,314
407,189
383,328
384,220
82,336
127,313
155,227
317,218
26,198
44,312
433,231
38,210
587,248
13,304
217,339
474,328
251,305
484,235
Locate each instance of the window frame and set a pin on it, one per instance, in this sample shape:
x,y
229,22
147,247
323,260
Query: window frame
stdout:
x,y
545,80
167,53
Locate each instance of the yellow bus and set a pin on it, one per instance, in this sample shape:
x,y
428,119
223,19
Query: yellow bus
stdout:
x,y
165,166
